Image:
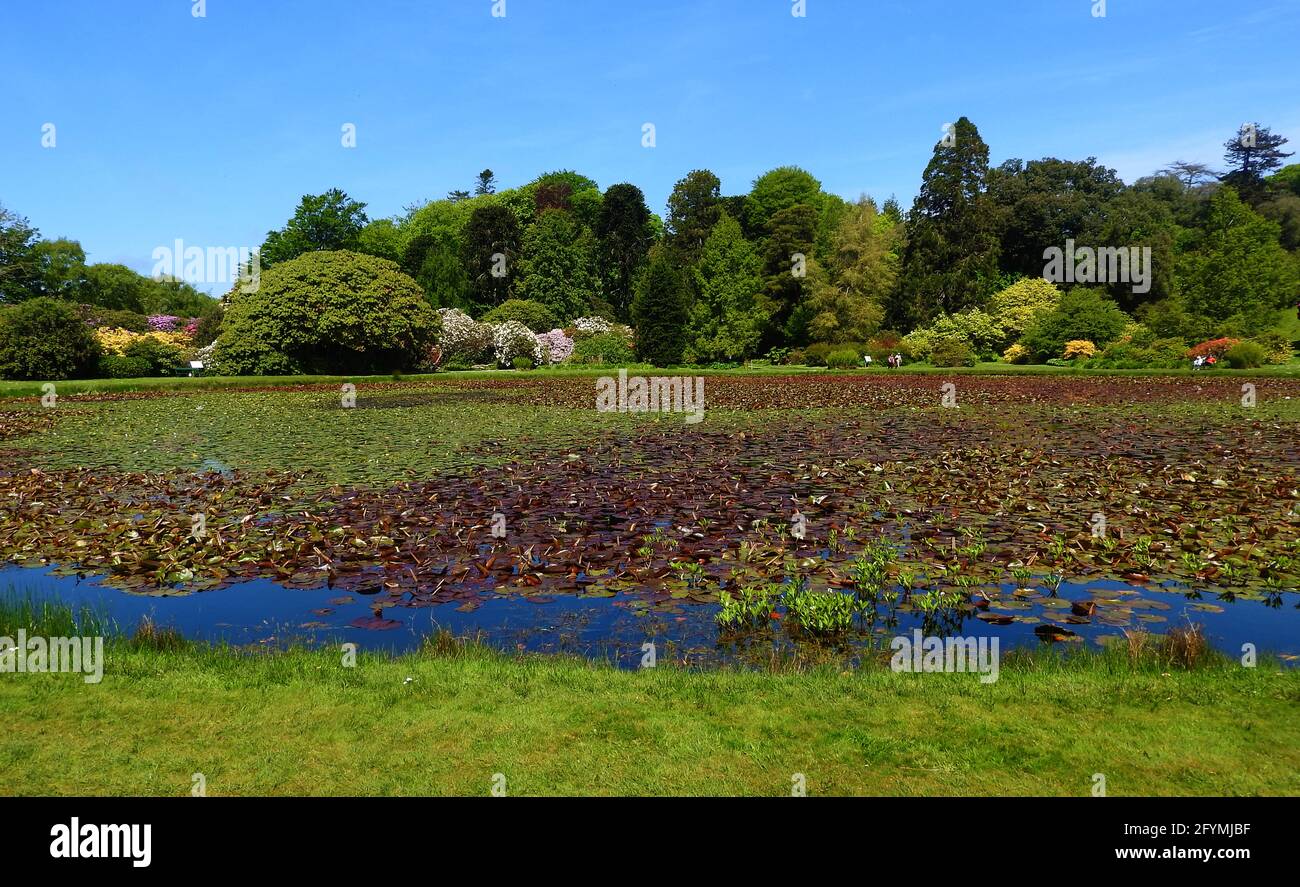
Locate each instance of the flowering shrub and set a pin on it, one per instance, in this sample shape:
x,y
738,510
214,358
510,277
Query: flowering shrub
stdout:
x,y
1016,354
1079,348
117,341
511,340
584,327
163,323
973,328
1215,348
463,339
556,346
1276,346
208,356
114,340
590,326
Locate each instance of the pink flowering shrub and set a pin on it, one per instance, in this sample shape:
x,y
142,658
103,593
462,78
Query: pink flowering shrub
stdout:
x,y
556,346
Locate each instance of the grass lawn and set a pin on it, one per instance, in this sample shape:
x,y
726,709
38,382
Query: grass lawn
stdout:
x,y
444,721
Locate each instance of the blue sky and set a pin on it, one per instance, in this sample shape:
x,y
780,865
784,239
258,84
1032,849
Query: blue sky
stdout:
x,y
210,129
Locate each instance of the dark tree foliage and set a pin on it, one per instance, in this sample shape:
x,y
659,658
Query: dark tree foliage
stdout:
x,y
329,221
1043,203
624,236
1135,218
951,261
1252,154
433,261
18,272
46,339
660,311
693,209
489,250
788,271
486,183
553,195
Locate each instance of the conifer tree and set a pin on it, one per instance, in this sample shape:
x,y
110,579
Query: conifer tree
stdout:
x,y
951,261
660,311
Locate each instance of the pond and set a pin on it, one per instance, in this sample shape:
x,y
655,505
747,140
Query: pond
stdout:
x,y
1062,511
613,628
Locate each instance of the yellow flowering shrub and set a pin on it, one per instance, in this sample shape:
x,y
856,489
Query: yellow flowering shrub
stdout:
x,y
116,340
1079,348
1017,353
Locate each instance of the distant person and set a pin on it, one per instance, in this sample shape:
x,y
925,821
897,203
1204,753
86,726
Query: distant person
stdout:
x,y
1198,362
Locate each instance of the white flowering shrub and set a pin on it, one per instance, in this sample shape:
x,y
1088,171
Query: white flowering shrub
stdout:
x,y
556,346
511,340
208,355
464,339
586,327
591,326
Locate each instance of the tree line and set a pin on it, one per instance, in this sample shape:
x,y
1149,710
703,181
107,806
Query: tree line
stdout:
x,y
786,265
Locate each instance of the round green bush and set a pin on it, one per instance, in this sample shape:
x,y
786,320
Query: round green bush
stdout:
x,y
534,315
815,355
331,313
119,366
160,358
45,339
608,349
1246,355
1081,314
952,353
841,359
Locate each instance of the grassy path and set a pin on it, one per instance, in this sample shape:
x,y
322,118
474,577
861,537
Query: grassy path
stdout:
x,y
301,723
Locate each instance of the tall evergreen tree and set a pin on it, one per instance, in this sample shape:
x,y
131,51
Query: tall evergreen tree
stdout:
x,y
624,234
486,183
660,310
693,210
790,272
1236,270
1252,154
489,250
951,261
726,322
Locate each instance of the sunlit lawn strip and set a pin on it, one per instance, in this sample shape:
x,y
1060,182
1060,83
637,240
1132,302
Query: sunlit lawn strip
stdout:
x,y
443,722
